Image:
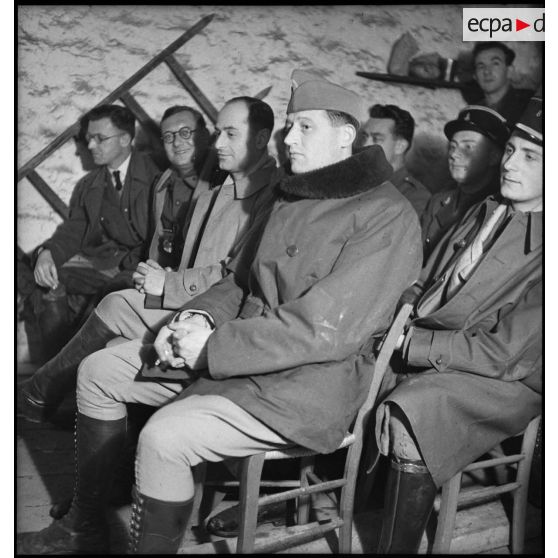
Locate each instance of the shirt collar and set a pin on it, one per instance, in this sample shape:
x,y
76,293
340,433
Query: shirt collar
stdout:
x,y
533,221
123,168
256,179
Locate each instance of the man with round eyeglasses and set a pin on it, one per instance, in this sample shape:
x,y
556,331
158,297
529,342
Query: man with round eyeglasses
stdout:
x,y
97,248
185,139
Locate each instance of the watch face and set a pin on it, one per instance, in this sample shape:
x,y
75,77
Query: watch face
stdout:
x,y
167,246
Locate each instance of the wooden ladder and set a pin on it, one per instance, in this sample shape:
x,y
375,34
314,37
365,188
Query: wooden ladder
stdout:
x,y
122,93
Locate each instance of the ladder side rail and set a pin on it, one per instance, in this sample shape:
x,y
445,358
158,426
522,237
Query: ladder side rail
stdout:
x,y
124,87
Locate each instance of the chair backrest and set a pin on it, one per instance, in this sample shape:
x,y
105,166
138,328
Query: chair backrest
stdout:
x,y
386,351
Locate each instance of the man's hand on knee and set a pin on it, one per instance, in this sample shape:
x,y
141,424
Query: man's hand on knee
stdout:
x,y
45,272
163,347
149,278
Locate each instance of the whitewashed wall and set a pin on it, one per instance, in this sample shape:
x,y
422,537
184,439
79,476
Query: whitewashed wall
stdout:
x,y
71,57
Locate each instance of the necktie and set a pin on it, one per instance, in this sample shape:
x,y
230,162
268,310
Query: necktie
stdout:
x,y
468,261
117,181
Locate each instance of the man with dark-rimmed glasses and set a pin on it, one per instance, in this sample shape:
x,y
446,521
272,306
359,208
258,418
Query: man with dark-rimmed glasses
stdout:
x,y
100,244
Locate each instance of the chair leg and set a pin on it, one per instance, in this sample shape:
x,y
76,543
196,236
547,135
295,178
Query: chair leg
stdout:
x,y
347,501
520,495
250,475
446,517
304,502
199,473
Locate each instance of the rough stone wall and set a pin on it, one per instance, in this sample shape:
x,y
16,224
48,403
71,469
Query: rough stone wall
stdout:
x,y
71,57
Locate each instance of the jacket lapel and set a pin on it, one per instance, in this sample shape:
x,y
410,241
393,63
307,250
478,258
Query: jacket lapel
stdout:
x,y
94,195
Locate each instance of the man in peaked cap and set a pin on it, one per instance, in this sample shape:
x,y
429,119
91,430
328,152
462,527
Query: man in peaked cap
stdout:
x,y
470,369
476,140
312,280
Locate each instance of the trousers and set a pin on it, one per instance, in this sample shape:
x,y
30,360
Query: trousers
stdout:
x,y
178,436
124,313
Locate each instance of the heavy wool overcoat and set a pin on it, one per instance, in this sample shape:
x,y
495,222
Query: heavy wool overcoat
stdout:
x,y
340,246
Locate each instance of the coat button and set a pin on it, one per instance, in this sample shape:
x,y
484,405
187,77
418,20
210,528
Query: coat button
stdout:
x,y
193,288
438,361
125,210
427,240
292,250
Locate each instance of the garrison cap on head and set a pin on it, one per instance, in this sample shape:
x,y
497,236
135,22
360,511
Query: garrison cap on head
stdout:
x,y
480,119
530,124
312,92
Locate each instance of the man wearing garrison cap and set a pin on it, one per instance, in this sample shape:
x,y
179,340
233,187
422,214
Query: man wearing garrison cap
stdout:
x,y
273,352
470,373
476,140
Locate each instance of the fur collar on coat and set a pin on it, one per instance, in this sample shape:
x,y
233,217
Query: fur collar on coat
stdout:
x,y
359,173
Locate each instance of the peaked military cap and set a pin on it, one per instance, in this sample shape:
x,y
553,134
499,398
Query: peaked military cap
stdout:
x,y
309,91
530,125
483,120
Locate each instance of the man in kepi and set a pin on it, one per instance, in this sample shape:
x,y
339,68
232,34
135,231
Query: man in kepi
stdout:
x,y
392,128
471,359
476,140
99,246
313,281
218,220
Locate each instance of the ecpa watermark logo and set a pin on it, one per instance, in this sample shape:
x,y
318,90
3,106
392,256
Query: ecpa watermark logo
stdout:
x,y
503,24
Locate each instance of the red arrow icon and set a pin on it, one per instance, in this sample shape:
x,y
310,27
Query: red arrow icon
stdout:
x,y
519,25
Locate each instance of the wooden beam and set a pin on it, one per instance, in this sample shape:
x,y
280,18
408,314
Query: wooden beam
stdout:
x,y
125,86
143,118
192,88
148,124
48,194
263,93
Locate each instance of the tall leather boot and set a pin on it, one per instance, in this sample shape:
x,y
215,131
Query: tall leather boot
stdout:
x,y
40,396
84,530
409,498
54,321
156,526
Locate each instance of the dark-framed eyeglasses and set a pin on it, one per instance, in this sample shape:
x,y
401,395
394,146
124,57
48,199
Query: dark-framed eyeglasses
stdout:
x,y
184,133
98,138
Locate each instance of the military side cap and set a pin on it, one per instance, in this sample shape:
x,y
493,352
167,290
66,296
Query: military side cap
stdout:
x,y
480,119
530,124
312,92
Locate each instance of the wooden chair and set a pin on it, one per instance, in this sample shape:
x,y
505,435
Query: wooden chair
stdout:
x,y
451,497
308,483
